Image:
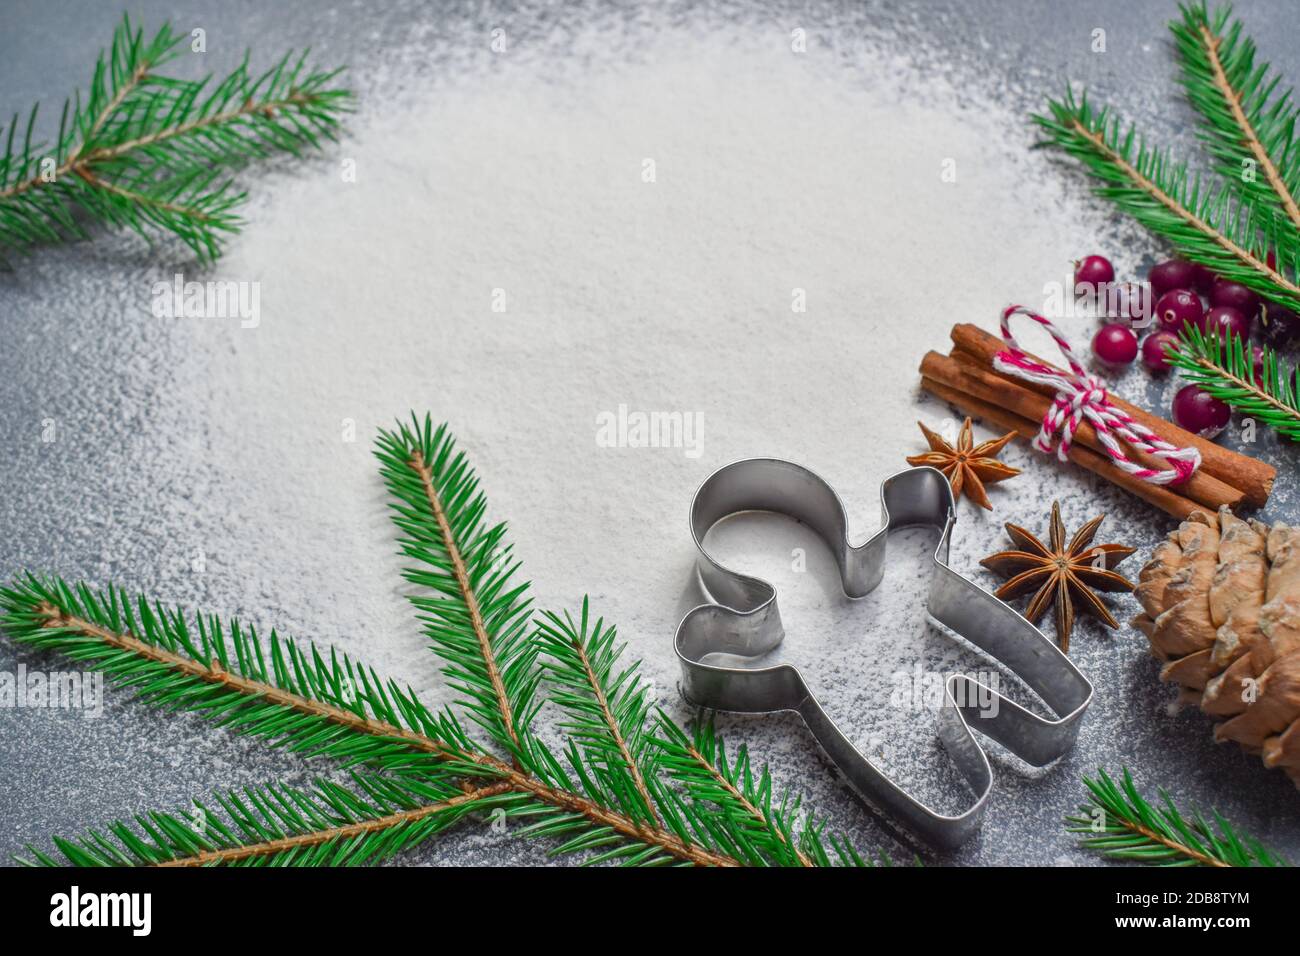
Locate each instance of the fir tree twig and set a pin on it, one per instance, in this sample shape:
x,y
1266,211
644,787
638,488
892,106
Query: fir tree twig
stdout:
x,y
607,712
623,794
297,700
351,837
1245,124
145,151
1208,224
1226,370
282,826
220,672
478,621
1125,826
702,763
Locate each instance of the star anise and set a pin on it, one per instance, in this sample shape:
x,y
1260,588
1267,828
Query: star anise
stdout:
x,y
968,466
1064,574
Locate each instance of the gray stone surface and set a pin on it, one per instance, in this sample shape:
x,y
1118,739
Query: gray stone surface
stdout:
x,y
163,453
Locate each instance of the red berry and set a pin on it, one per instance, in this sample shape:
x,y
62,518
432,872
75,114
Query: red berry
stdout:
x,y
1127,301
1200,412
1280,326
1236,295
1202,279
1257,365
1115,344
1092,274
1153,351
1174,274
1177,308
1225,320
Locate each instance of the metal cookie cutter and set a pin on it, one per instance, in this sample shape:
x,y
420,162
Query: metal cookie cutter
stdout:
x,y
744,622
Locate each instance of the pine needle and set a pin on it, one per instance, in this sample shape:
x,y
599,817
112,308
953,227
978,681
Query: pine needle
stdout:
x,y
1244,224
627,790
1226,370
1207,222
1246,124
279,825
147,152
474,614
1125,826
288,694
606,708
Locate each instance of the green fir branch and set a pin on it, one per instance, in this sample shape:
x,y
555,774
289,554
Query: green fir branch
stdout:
x,y
289,695
603,797
761,824
1207,222
606,708
1226,370
1246,124
475,616
311,703
1120,823
626,791
146,152
278,825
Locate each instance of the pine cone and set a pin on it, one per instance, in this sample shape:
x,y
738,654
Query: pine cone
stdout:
x,y
1222,603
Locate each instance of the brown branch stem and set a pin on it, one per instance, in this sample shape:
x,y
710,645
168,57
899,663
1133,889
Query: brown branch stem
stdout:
x,y
518,780
467,593
1249,138
1173,205
214,673
73,164
744,801
92,180
247,108
82,165
345,832
1152,835
615,731
1220,372
137,76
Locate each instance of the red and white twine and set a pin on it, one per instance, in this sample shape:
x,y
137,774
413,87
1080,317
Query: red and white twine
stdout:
x,y
1080,396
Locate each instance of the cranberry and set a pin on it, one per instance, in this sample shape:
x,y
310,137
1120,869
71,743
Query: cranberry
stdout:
x,y
1202,279
1115,344
1177,308
1130,302
1260,372
1174,274
1225,320
1279,326
1257,365
1092,274
1200,412
1154,348
1235,295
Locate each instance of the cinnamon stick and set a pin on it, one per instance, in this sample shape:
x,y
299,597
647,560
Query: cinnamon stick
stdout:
x,y
1252,476
1158,495
983,383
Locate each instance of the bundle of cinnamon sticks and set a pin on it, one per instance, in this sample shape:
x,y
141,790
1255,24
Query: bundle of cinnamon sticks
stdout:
x,y
967,379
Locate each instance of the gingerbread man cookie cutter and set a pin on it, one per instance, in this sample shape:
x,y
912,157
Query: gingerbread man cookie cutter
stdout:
x,y
742,622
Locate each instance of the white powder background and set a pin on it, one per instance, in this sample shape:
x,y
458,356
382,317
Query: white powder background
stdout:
x,y
774,171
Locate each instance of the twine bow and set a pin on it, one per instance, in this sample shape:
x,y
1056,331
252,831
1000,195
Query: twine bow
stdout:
x,y
1080,396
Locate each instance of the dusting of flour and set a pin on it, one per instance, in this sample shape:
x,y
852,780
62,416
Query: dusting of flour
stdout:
x,y
648,211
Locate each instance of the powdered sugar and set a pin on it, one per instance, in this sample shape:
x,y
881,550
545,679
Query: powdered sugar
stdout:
x,y
658,217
